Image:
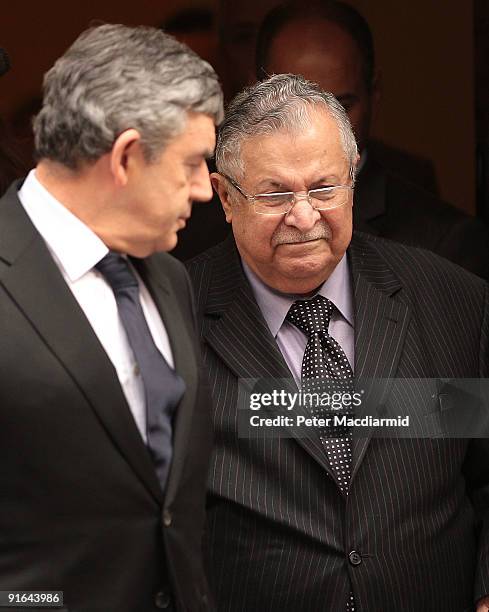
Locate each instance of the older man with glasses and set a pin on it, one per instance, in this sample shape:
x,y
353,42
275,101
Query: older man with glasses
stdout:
x,y
324,519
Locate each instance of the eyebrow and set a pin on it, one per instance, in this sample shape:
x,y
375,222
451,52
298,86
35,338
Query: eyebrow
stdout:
x,y
206,154
331,179
268,183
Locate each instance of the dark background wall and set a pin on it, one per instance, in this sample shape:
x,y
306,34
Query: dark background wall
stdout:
x,y
426,51
481,30
36,33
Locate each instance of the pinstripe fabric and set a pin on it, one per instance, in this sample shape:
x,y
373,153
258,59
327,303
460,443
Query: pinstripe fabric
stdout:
x,y
279,530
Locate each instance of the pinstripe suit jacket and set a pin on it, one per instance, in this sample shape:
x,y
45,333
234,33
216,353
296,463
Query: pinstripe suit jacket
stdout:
x,y
280,532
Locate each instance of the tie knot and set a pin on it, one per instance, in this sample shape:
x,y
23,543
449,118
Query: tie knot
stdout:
x,y
116,271
311,316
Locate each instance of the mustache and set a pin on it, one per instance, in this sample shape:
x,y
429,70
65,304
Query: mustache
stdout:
x,y
291,235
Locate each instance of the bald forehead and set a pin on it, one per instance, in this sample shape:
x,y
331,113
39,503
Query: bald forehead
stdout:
x,y
314,36
322,53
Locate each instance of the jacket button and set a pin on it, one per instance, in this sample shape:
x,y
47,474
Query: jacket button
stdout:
x,y
162,600
167,518
355,558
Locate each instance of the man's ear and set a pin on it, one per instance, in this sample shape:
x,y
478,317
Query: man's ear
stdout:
x,y
355,168
125,150
220,185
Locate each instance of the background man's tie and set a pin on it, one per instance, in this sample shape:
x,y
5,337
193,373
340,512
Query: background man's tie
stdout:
x,y
163,387
325,367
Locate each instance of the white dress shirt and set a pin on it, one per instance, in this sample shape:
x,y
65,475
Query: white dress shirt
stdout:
x,y
76,250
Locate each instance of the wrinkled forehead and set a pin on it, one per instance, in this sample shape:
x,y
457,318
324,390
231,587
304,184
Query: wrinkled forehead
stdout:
x,y
297,156
315,131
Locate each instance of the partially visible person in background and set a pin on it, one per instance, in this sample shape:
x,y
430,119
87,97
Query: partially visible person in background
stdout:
x,y
237,26
194,27
330,43
339,51
237,29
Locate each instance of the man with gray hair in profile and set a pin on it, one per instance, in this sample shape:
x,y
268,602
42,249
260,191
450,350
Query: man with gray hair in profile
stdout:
x,y
318,519
104,422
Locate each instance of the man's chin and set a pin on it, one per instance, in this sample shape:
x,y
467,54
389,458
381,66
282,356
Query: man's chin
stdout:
x,y
181,223
299,285
306,265
170,243
166,243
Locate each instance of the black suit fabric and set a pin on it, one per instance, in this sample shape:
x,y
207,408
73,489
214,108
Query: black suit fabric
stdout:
x,y
385,205
82,509
409,166
280,532
388,206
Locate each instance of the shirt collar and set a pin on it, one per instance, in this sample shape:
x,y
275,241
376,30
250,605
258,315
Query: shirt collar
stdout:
x,y
275,305
75,247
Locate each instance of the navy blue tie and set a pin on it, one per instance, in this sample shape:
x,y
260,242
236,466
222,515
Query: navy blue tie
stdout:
x,y
163,387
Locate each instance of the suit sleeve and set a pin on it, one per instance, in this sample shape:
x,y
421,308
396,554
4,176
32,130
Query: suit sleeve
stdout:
x,y
477,473
467,243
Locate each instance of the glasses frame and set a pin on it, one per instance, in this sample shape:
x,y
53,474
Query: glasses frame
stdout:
x,y
293,194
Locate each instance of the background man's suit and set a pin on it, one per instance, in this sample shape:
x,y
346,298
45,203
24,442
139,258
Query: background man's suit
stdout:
x,y
384,205
388,206
280,534
82,509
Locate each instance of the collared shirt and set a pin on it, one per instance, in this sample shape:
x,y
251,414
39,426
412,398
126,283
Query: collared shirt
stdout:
x,y
290,339
76,249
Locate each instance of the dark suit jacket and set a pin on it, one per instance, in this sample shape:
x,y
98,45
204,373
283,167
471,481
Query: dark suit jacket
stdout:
x,y
82,510
409,166
280,530
384,205
388,206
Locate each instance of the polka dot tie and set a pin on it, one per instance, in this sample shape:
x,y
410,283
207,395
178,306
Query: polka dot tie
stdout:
x,y
325,367
325,364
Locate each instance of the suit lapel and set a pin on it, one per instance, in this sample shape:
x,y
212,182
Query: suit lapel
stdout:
x,y
380,322
35,284
184,360
235,329
234,326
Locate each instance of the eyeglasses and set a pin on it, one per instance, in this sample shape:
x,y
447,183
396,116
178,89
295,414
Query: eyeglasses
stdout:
x,y
280,203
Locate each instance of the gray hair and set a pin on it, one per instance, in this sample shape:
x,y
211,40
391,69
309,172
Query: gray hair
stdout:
x,y
114,78
282,102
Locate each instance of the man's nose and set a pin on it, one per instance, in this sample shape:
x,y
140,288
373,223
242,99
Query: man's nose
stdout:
x,y
302,215
201,188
